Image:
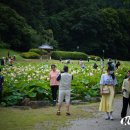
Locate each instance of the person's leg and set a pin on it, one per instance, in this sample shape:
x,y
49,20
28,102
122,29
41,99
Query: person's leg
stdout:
x,y
110,103
53,89
52,92
67,99
56,92
125,106
60,100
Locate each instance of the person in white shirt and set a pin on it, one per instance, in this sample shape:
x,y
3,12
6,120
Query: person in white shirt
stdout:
x,y
126,95
64,89
107,83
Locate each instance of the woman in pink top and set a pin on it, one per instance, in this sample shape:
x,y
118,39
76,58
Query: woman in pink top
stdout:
x,y
54,83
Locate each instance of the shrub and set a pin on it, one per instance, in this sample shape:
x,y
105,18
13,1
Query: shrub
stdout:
x,y
38,51
68,55
30,55
92,57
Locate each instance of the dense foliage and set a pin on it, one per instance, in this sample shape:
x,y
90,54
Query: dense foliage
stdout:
x,y
30,55
31,80
78,25
38,51
68,55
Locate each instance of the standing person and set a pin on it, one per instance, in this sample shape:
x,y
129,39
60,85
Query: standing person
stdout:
x,y
127,75
107,90
64,89
82,65
117,65
126,95
1,85
2,61
111,67
95,66
54,84
102,65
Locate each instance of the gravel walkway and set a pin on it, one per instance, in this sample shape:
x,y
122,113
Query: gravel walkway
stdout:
x,y
97,122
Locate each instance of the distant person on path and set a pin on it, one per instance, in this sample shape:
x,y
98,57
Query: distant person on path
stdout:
x,y
82,64
117,65
2,61
107,91
111,67
64,90
95,66
126,95
102,65
14,58
54,84
1,85
127,75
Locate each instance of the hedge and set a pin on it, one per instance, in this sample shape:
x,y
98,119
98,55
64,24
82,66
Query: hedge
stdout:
x,y
38,51
30,55
68,55
92,57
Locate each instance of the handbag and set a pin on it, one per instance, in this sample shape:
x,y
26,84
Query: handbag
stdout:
x,y
105,90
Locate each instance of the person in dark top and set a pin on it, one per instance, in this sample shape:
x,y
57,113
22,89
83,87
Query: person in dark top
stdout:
x,y
117,64
95,66
111,67
2,62
1,85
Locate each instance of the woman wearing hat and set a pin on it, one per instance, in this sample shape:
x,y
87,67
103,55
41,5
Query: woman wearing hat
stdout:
x,y
126,95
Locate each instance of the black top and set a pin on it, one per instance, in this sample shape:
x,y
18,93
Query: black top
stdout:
x,y
1,81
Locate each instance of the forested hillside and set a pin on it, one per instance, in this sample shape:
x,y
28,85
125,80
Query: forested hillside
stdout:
x,y
75,25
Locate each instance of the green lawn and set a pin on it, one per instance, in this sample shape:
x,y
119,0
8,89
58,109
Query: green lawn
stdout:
x,y
38,119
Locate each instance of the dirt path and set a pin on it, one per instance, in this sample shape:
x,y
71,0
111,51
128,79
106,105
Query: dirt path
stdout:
x,y
97,122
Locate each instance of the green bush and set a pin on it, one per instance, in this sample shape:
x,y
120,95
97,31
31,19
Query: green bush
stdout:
x,y
68,55
92,57
30,55
38,51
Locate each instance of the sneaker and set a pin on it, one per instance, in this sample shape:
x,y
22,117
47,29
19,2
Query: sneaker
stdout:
x,y
107,118
58,113
68,114
111,118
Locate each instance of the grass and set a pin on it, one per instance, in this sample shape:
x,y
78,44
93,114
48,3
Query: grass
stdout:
x,y
38,119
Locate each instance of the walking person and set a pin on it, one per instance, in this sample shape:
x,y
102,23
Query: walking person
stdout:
x,y
107,91
54,84
64,90
126,95
1,85
102,65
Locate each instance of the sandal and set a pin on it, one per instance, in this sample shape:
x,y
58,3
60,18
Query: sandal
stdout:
x,y
58,113
68,114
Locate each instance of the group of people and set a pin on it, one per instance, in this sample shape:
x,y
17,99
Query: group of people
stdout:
x,y
62,82
8,60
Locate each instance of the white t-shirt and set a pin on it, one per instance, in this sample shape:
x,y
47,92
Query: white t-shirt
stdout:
x,y
65,81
